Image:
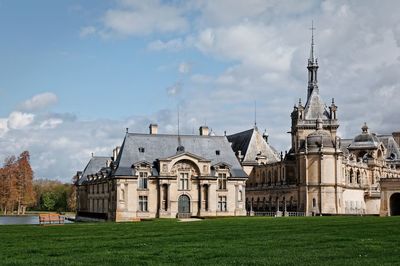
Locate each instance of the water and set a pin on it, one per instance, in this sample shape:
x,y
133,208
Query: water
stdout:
x,y
21,220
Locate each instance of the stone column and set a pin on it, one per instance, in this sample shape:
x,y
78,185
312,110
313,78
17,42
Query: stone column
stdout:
x,y
199,199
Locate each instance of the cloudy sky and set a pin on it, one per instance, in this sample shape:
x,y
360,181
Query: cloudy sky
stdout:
x,y
75,74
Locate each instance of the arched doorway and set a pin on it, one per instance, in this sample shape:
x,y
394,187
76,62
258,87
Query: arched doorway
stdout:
x,y
395,204
184,204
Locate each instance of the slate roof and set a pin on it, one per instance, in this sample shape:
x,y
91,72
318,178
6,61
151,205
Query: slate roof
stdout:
x,y
315,107
95,164
391,145
240,141
387,140
252,144
344,144
160,146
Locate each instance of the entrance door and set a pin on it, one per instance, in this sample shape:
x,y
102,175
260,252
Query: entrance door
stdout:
x,y
395,204
184,204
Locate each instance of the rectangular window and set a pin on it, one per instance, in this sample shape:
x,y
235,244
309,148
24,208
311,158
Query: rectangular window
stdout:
x,y
143,180
222,203
143,203
184,181
222,181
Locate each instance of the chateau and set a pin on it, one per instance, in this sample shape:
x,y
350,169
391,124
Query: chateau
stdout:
x,y
167,176
322,174
164,176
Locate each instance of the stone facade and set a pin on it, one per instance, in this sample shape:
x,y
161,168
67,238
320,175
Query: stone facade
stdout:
x,y
163,176
322,174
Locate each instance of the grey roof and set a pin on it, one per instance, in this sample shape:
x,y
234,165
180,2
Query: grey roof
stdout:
x,y
391,145
365,140
315,107
344,144
318,137
240,141
387,140
95,164
160,146
252,144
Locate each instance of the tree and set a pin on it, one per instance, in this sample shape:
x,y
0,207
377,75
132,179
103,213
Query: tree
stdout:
x,y
48,201
52,195
24,187
72,194
16,188
8,191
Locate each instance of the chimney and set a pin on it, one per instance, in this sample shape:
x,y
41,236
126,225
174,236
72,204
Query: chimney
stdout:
x,y
396,136
78,176
115,152
265,136
203,130
153,129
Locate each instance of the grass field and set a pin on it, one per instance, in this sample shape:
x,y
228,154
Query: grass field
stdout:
x,y
273,241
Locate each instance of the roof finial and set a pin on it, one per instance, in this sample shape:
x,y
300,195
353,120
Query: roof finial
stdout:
x,y
178,121
365,128
179,135
255,114
312,42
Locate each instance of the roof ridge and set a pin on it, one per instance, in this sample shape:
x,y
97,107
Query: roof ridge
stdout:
x,y
172,135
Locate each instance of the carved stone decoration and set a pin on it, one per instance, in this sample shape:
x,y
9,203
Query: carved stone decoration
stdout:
x,y
185,166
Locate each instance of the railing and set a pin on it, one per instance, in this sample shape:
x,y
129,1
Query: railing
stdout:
x,y
277,214
295,214
271,214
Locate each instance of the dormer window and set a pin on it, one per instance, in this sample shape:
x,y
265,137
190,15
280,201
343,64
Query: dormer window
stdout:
x,y
141,149
217,152
143,180
221,181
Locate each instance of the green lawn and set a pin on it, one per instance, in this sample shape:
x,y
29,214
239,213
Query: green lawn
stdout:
x,y
273,241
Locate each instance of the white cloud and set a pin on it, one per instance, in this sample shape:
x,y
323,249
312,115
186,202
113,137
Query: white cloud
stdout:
x,y
251,44
136,17
18,120
87,31
51,123
174,89
39,101
184,67
3,126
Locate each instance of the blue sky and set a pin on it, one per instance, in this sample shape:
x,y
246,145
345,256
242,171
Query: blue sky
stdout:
x,y
74,74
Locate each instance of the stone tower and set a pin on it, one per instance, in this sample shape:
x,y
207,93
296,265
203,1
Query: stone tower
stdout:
x,y
315,149
304,117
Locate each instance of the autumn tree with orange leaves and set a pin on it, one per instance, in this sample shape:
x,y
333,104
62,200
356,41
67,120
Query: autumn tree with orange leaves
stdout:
x,y
16,189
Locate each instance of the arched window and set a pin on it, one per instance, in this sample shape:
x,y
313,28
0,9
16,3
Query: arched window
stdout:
x,y
358,177
351,176
314,202
269,178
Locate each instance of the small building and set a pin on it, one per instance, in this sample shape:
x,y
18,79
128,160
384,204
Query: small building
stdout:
x,y
390,196
163,176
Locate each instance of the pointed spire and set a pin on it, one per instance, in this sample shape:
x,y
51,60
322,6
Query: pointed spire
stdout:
x,y
312,67
255,113
311,59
